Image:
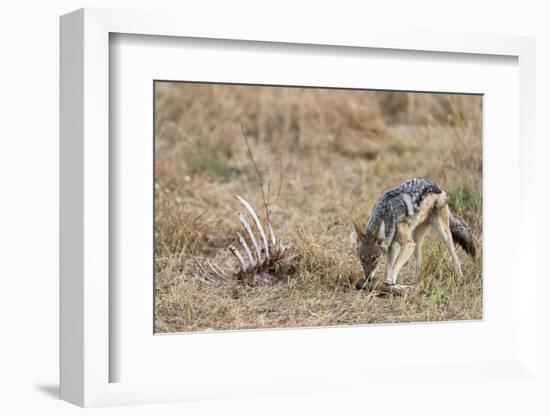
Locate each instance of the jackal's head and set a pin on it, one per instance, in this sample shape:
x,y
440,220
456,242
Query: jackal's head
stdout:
x,y
369,251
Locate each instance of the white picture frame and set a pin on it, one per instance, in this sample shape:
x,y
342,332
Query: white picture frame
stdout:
x,y
87,302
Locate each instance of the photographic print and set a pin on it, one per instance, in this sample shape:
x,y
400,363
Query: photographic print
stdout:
x,y
288,207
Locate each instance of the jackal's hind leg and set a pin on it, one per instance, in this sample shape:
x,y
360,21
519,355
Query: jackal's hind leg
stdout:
x,y
418,237
441,222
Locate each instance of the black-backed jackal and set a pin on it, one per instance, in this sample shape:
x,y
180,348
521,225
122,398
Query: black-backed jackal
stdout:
x,y
397,227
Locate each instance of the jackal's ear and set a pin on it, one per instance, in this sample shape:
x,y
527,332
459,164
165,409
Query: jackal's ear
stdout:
x,y
359,232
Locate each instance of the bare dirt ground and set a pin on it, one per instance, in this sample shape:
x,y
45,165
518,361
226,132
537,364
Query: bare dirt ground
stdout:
x,y
336,151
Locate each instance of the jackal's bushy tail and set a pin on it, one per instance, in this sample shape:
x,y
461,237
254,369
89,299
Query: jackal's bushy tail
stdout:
x,y
461,234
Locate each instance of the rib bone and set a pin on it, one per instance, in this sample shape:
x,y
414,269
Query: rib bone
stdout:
x,y
220,271
246,250
238,256
217,272
254,270
252,213
246,226
207,275
272,233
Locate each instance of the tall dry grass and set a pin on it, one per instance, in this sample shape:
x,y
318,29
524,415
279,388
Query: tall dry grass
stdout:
x,y
340,150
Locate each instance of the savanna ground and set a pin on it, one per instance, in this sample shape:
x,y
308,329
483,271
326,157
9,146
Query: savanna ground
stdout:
x,y
336,152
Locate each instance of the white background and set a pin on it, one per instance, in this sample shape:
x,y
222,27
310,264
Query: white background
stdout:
x,y
135,63
29,204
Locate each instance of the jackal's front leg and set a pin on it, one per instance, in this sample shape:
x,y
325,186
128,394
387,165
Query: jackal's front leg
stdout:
x,y
393,252
405,241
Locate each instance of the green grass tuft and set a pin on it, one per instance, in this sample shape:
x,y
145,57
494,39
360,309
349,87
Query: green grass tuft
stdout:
x,y
465,198
205,157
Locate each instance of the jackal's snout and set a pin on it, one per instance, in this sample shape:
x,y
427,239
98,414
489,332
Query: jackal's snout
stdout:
x,y
369,253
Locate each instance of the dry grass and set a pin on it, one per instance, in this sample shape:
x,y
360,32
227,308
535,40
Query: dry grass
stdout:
x,y
340,151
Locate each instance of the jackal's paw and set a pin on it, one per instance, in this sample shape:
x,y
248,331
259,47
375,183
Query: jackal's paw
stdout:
x,y
362,284
395,289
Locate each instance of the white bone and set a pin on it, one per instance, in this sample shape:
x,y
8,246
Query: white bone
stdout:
x,y
246,250
238,256
273,240
207,274
252,213
203,279
218,273
246,226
